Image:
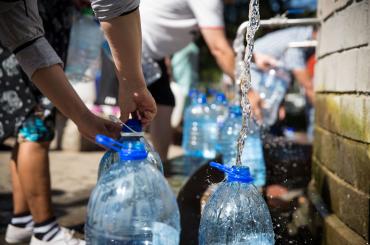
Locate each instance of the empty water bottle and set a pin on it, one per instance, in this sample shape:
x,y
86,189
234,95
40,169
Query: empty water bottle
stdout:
x,y
83,61
272,90
198,127
131,133
132,204
252,152
236,213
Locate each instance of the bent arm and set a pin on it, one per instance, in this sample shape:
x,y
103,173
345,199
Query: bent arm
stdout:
x,y
220,49
305,80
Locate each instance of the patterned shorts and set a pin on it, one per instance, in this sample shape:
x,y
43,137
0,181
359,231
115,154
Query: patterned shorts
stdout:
x,y
37,128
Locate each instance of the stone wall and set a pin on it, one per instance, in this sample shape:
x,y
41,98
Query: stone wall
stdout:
x,y
341,158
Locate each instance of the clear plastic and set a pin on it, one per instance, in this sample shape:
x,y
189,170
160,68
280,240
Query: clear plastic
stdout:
x,y
272,90
219,112
236,213
83,61
132,204
252,153
111,157
198,127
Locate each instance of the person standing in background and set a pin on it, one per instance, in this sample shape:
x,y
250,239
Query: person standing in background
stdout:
x,y
184,65
168,26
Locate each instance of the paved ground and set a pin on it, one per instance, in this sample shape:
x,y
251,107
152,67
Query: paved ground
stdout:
x,y
73,177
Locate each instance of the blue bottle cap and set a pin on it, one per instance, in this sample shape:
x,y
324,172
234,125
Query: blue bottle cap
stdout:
x,y
126,151
133,153
235,110
221,98
234,173
193,92
132,124
202,99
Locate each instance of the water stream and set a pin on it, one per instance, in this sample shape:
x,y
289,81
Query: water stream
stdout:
x,y
245,75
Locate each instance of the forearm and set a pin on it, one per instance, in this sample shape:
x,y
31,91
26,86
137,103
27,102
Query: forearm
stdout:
x,y
305,81
124,36
225,60
53,83
220,49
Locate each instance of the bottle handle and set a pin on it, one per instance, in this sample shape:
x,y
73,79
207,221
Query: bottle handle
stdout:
x,y
108,142
220,167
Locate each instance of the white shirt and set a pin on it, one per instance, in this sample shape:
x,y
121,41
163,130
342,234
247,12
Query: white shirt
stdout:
x,y
169,25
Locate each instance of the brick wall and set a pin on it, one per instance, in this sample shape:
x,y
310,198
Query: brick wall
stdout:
x,y
341,158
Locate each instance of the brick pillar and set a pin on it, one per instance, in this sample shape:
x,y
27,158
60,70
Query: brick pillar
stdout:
x,y
341,158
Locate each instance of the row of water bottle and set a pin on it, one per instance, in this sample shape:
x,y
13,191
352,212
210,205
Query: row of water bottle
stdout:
x,y
213,128
132,203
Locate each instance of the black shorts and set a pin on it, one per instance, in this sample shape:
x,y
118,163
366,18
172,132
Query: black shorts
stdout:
x,y
161,89
108,85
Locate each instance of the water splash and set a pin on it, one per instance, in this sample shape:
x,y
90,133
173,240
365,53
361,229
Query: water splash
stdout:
x,y
245,75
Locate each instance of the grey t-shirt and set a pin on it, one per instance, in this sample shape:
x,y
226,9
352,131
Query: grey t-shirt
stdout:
x,y
275,44
170,25
21,30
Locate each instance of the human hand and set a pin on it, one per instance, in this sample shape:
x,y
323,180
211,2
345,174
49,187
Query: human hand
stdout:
x,y
138,101
256,104
90,125
264,62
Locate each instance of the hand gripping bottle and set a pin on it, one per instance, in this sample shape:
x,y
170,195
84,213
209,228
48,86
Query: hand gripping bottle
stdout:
x,y
272,91
132,204
236,213
131,133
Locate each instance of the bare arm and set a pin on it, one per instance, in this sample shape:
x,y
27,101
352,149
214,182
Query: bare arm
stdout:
x,y
305,81
220,49
124,37
53,83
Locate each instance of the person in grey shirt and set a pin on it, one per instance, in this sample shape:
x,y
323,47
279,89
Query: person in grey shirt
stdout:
x,y
272,50
21,31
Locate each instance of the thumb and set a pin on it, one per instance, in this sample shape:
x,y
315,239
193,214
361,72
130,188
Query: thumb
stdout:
x,y
125,114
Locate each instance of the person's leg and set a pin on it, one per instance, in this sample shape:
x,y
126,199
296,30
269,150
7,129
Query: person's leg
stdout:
x,y
33,172
161,130
20,228
20,204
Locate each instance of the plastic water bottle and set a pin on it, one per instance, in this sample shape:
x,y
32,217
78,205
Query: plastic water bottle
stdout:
x,y
198,126
133,203
236,213
219,113
83,61
252,156
131,133
272,90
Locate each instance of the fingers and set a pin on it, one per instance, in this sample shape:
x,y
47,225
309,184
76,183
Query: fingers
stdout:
x,y
124,114
146,107
112,129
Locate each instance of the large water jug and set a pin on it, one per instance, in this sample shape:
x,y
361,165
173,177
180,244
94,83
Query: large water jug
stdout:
x,y
132,204
236,213
83,61
272,89
252,152
131,133
198,127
